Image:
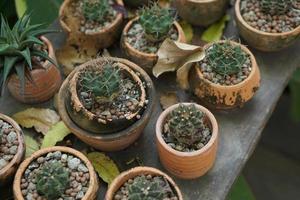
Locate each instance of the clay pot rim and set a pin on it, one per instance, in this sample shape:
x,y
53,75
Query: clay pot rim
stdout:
x,y
239,85
136,171
35,155
65,26
202,1
181,37
245,24
75,97
21,147
160,123
113,136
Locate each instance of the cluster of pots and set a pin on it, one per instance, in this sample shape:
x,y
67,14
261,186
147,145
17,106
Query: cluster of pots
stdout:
x,y
118,135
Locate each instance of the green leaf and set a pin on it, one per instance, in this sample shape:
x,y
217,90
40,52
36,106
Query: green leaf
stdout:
x,y
26,54
105,167
215,31
56,134
21,7
20,69
31,145
9,62
43,55
240,191
188,30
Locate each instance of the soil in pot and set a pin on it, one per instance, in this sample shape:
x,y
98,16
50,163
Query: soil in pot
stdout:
x,y
225,64
271,16
8,143
146,186
56,175
186,129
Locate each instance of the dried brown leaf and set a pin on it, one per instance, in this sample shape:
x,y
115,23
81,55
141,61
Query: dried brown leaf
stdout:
x,y
168,99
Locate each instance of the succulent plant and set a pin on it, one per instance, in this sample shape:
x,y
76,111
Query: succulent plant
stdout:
x,y
276,7
52,180
186,123
142,188
18,48
226,58
104,86
96,10
156,21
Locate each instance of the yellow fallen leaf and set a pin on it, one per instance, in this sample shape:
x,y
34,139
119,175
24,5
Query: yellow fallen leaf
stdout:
x,y
56,134
215,31
31,145
104,166
39,118
168,99
188,30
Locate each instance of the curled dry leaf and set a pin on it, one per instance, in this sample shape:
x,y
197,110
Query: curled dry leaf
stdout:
x,y
56,134
104,166
178,56
40,118
168,99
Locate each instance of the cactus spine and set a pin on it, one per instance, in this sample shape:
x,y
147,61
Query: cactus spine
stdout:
x,y
96,10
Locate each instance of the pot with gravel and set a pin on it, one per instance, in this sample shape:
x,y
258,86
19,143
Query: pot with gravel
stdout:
x,y
56,173
93,23
142,36
199,12
143,183
108,102
227,77
187,140
268,25
12,148
136,3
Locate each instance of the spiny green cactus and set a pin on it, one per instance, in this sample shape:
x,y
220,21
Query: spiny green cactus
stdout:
x,y
226,58
186,123
105,86
148,189
96,10
276,7
156,22
52,180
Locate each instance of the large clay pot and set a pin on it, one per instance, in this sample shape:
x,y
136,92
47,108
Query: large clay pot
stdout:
x,y
136,3
119,139
187,165
262,40
46,81
221,96
91,193
144,60
99,40
201,13
134,172
7,173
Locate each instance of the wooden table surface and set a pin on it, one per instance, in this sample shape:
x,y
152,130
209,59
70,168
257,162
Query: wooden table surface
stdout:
x,y
240,129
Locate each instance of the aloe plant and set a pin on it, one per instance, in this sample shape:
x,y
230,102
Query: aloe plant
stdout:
x,y
18,46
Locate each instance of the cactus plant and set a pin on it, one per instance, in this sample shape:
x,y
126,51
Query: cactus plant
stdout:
x,y
156,22
186,124
105,85
276,7
18,47
226,58
149,189
96,10
52,180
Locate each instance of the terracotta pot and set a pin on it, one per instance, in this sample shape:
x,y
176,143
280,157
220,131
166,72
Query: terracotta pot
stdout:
x,y
262,40
137,171
47,81
7,173
201,13
117,140
136,3
187,165
225,97
90,194
145,60
100,40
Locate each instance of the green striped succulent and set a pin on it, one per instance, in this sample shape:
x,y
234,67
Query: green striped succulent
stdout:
x,y
18,46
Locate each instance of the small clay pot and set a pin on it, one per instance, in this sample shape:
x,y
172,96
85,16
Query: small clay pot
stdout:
x,y
201,13
114,141
7,173
90,194
136,3
99,40
187,165
134,172
221,96
262,40
46,81
145,60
